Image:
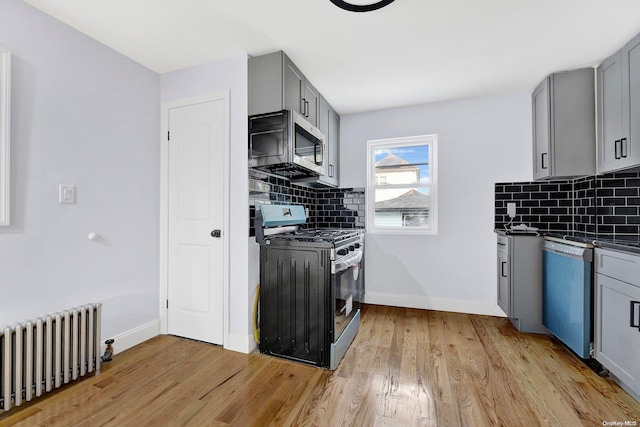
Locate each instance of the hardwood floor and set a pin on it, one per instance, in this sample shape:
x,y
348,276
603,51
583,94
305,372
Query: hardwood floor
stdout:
x,y
406,367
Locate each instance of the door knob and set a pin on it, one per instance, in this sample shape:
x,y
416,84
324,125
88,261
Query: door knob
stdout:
x,y
216,233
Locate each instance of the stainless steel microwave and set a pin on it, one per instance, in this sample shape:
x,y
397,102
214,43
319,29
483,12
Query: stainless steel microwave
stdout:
x,y
285,143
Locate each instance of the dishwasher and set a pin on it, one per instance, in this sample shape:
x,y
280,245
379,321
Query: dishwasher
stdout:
x,y
567,293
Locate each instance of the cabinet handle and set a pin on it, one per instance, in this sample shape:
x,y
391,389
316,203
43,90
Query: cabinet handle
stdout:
x,y
632,322
502,269
542,159
623,147
330,171
616,144
306,107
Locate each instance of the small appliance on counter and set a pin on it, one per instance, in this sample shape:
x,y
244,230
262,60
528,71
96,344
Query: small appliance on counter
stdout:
x,y
311,286
523,228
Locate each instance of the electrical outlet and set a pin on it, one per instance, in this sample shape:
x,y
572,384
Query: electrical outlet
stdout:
x,y
511,210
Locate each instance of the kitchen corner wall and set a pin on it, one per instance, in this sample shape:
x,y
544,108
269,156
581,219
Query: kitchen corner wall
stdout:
x,y
230,75
328,207
604,206
481,141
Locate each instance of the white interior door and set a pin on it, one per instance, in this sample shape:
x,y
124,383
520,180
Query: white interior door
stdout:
x,y
195,247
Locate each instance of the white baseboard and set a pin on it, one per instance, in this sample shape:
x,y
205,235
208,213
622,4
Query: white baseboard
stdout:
x,y
440,304
133,337
241,344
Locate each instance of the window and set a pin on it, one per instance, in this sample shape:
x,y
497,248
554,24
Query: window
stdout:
x,y
381,179
402,185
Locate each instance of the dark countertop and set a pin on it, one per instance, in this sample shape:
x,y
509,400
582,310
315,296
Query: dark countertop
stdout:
x,y
606,242
517,233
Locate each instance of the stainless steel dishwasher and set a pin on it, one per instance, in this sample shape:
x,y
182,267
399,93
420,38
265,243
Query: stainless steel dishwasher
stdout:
x,y
567,293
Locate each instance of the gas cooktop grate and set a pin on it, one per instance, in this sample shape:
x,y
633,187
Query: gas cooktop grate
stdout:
x,y
317,235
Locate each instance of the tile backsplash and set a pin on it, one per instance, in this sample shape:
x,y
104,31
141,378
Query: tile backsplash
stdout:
x,y
617,202
328,207
546,205
606,205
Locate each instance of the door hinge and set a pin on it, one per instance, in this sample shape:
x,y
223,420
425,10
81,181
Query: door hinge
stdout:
x,y
168,135
167,303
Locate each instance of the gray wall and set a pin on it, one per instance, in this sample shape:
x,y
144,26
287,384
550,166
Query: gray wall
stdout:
x,y
481,141
82,114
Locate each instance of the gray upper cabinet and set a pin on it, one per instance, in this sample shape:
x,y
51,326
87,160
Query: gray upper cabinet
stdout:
x,y
609,113
564,125
619,109
329,125
275,83
541,119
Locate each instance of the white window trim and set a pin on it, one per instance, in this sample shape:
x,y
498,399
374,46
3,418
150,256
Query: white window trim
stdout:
x,y
372,145
5,104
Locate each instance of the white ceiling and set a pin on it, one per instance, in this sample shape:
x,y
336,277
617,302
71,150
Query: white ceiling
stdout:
x,y
410,52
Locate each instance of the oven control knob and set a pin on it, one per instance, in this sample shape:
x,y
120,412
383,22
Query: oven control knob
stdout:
x,y
352,248
343,251
357,245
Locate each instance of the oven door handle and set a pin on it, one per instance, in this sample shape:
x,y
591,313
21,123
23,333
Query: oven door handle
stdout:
x,y
347,261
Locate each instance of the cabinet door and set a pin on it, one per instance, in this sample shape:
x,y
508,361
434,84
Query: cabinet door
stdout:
x,y
294,86
329,125
504,283
609,113
617,333
334,145
630,143
311,102
541,129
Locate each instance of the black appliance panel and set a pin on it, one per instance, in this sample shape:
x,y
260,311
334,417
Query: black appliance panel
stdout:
x,y
295,304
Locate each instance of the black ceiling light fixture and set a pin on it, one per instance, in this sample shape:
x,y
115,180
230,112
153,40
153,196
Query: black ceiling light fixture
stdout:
x,y
368,7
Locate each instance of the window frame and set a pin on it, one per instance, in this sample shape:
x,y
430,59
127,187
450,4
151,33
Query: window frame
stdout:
x,y
5,105
372,146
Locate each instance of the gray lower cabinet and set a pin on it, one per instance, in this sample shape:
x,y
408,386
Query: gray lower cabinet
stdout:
x,y
520,281
564,132
618,109
504,275
275,83
617,316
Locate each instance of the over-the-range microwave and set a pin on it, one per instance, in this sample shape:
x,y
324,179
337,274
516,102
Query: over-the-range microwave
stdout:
x,y
285,143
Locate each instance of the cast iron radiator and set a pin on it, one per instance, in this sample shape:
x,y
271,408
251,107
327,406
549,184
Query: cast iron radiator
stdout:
x,y
42,354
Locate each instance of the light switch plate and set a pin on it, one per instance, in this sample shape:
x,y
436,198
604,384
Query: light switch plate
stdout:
x,y
67,194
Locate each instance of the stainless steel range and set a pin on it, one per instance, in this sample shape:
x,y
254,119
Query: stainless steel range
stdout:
x,y
311,286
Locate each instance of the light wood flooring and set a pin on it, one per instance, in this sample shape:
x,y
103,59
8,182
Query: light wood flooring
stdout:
x,y
406,367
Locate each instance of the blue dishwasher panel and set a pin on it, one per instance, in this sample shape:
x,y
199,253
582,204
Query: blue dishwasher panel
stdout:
x,y
566,300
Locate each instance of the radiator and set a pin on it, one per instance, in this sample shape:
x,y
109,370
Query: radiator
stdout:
x,y
42,354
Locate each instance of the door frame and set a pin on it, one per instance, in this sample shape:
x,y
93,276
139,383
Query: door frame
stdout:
x,y
164,207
